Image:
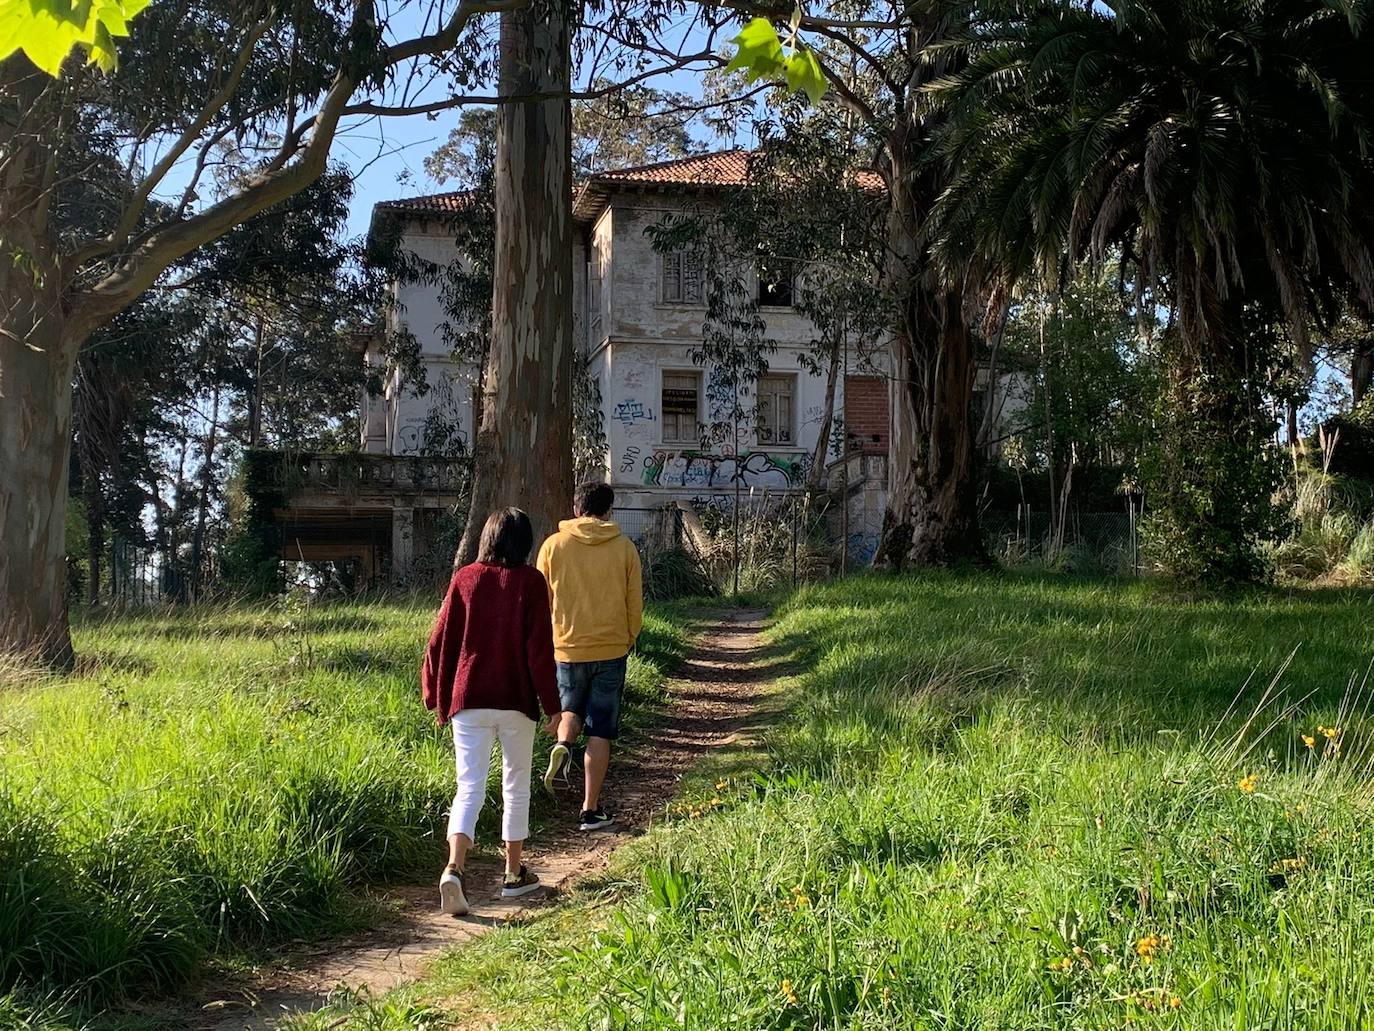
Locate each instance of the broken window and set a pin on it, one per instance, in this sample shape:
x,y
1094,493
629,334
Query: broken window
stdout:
x,y
776,277
680,404
775,409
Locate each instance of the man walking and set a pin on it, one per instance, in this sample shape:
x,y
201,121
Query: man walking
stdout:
x,y
597,597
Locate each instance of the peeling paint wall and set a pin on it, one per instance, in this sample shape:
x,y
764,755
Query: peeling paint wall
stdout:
x,y
649,467
636,308
449,397
645,339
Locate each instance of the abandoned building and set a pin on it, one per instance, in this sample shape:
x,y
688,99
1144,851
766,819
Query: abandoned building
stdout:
x,y
639,315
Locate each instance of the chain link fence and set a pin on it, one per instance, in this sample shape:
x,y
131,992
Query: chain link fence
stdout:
x,y
1102,540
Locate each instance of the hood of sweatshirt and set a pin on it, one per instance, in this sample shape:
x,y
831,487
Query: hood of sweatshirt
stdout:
x,y
590,530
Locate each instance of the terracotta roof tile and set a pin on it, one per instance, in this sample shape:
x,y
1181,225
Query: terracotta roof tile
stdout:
x,y
726,168
723,168
432,204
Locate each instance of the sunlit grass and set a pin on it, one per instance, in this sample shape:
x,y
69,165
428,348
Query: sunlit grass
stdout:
x,y
1000,802
216,780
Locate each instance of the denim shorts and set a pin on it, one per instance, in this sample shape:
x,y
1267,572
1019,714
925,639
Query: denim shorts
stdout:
x,y
593,690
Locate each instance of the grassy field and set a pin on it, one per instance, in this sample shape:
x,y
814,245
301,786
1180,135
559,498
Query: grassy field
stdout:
x,y
213,781
996,802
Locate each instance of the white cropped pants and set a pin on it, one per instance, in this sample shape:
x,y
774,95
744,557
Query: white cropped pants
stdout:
x,y
474,733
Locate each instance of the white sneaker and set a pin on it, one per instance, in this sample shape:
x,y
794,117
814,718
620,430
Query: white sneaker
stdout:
x,y
452,901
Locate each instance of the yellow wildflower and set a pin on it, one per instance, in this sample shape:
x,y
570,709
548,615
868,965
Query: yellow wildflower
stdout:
x,y
1290,865
1150,946
721,785
1175,1003
1330,733
1309,740
1062,965
1248,783
788,993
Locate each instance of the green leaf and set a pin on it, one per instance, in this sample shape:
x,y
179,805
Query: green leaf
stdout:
x,y
758,51
48,30
803,73
759,54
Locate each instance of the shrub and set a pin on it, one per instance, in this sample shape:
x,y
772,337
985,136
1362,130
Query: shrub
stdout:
x,y
1212,475
1353,433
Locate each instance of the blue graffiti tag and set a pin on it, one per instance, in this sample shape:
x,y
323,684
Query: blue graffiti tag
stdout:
x,y
629,412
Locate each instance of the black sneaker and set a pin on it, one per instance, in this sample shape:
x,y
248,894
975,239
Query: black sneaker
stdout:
x,y
517,884
560,758
594,819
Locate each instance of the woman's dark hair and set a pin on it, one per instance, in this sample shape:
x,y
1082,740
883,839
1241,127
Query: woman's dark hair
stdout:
x,y
507,539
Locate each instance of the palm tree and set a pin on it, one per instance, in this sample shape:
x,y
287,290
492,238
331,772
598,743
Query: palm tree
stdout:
x,y
1223,148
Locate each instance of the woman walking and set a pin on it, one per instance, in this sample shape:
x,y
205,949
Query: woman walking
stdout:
x,y
488,670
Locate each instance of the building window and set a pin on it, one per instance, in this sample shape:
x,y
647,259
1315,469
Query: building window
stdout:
x,y
680,404
682,277
775,409
776,278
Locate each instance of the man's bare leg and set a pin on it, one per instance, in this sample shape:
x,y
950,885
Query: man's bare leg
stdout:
x,y
596,759
570,729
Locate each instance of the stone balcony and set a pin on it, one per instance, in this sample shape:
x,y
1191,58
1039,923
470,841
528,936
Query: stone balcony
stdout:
x,y
380,511
355,478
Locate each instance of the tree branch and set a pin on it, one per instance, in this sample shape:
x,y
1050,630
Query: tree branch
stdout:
x,y
150,254
133,211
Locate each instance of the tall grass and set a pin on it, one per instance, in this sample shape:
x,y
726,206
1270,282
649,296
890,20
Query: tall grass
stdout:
x,y
1001,802
216,780
1332,536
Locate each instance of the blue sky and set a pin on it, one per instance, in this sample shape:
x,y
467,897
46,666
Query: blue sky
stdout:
x,y
387,155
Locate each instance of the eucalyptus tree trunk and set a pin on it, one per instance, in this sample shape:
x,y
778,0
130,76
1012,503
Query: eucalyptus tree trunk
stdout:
x,y
207,476
38,348
932,511
522,453
35,448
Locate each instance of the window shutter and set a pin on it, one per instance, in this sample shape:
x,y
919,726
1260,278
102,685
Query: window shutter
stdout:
x,y
672,276
691,277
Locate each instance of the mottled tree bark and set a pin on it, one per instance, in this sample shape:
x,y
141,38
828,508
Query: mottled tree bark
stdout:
x,y
38,347
35,447
523,449
932,511
1361,368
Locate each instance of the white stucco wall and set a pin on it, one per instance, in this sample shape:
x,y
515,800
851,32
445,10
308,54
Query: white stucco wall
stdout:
x,y
635,306
448,401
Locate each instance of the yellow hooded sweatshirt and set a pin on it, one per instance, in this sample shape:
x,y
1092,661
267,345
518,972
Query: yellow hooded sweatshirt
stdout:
x,y
595,590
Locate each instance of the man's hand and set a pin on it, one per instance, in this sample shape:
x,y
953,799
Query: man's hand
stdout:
x,y
555,721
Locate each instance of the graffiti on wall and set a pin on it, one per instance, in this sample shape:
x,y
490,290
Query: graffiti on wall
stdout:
x,y
757,469
862,547
629,460
430,437
630,411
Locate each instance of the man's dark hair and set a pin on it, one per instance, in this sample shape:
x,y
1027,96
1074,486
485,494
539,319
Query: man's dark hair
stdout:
x,y
507,539
593,499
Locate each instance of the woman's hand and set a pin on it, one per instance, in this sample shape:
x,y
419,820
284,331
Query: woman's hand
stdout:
x,y
555,721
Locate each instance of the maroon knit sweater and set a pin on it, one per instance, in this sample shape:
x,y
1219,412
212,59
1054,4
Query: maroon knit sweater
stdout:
x,y
492,645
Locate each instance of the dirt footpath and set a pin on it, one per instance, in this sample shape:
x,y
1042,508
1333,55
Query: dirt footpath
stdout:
x,y
713,700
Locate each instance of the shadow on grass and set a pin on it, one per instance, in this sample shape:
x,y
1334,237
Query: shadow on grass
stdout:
x,y
1122,659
